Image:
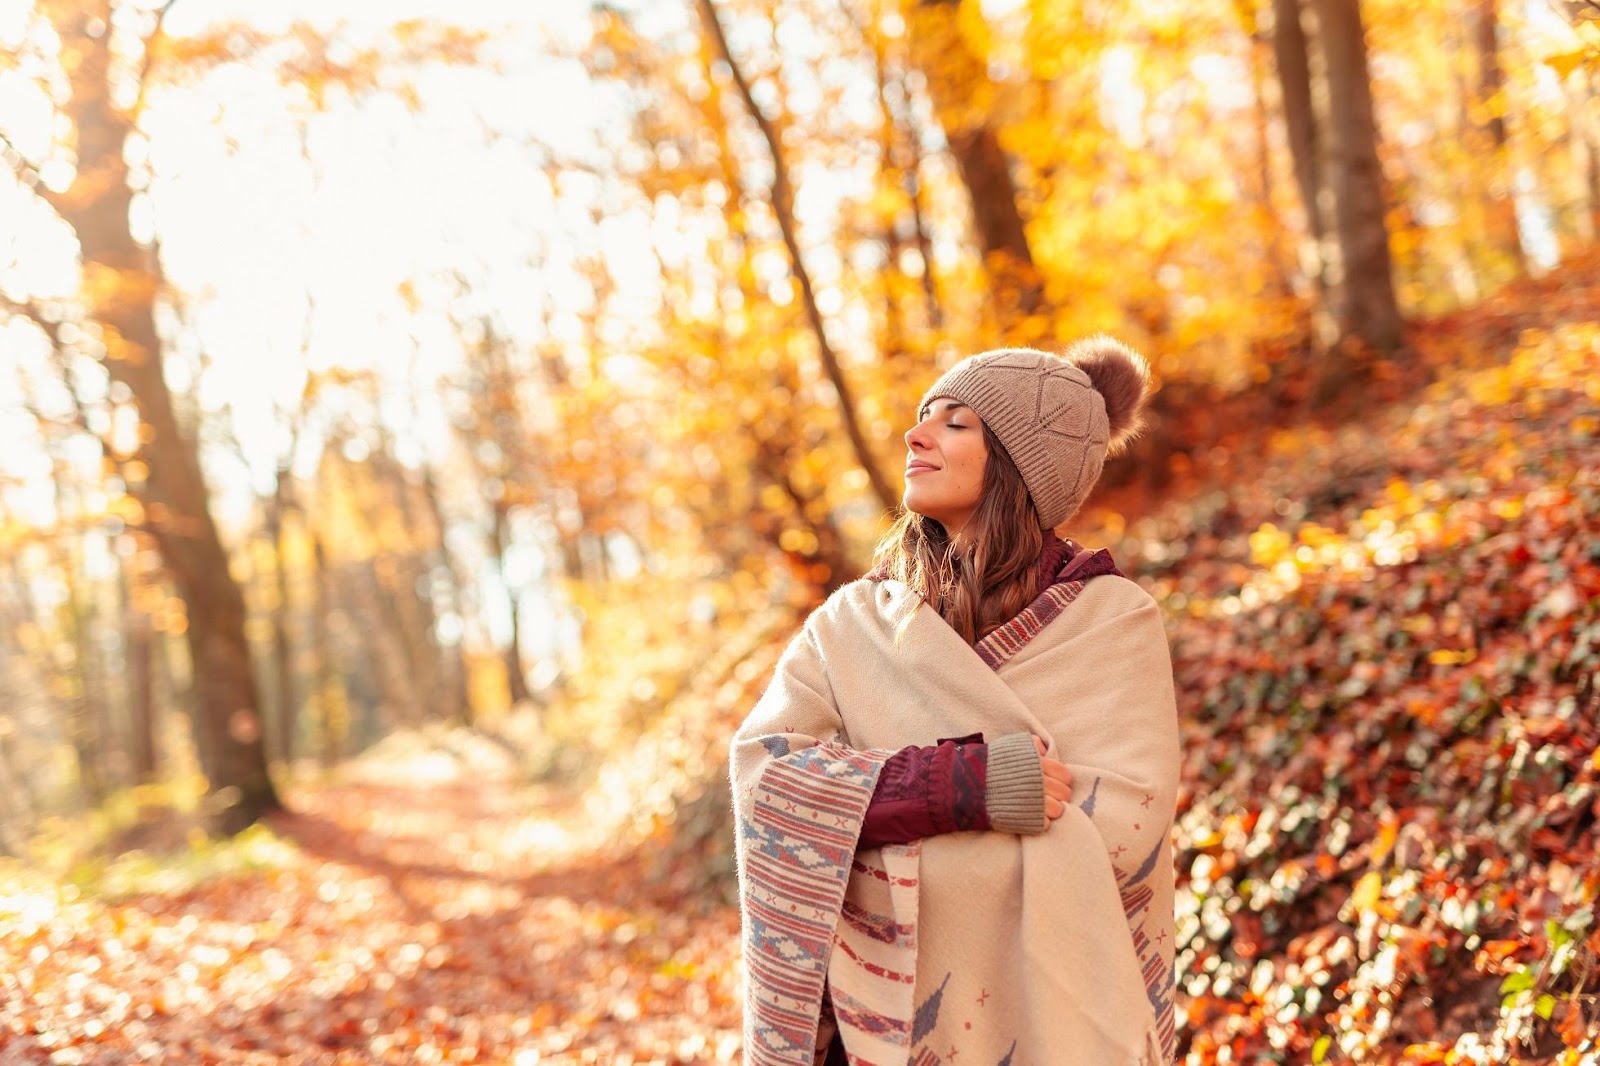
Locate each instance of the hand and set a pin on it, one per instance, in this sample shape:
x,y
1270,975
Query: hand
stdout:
x,y
1057,784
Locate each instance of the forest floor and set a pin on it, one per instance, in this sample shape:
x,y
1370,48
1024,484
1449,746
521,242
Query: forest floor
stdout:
x,y
395,920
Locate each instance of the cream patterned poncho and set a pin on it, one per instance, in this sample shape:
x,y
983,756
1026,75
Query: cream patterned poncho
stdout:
x,y
975,947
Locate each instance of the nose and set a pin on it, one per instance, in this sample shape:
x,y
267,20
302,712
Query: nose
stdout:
x,y
917,437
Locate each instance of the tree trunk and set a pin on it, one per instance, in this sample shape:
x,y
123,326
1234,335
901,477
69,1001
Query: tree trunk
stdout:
x,y
1505,236
1364,303
78,673
1300,124
1491,79
1591,186
782,199
287,710
415,615
953,75
919,219
16,803
1279,261
141,659
333,703
139,666
516,671
393,652
388,695
228,704
121,284
455,690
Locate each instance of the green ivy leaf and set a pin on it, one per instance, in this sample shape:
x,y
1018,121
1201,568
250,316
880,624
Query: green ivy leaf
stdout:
x,y
1516,981
1545,1006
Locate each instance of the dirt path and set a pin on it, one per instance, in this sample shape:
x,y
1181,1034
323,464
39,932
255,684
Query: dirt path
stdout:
x,y
417,924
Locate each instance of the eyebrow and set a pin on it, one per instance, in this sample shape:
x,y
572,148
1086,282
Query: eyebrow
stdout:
x,y
949,405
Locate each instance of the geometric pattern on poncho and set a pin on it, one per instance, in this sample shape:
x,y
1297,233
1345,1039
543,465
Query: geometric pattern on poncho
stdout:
x,y
799,843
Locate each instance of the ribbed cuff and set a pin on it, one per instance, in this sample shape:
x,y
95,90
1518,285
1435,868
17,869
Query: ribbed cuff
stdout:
x,y
1014,790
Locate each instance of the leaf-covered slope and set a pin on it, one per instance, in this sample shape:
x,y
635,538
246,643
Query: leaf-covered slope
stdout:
x,y
1385,640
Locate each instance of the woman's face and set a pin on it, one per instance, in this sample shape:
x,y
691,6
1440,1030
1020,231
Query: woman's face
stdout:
x,y
945,457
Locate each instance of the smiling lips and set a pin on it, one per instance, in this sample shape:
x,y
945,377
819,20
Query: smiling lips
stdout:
x,y
917,466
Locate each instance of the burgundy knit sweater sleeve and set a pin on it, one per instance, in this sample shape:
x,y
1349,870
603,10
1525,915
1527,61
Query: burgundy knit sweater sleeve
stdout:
x,y
926,791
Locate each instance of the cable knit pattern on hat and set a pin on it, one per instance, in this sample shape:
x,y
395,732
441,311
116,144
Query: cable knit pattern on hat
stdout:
x,y
1050,415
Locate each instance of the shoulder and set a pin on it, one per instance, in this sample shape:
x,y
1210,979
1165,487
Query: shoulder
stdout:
x,y
1109,607
864,595
863,603
1116,594
849,601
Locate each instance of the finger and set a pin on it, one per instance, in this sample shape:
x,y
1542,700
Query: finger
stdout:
x,y
1039,745
1055,770
1054,808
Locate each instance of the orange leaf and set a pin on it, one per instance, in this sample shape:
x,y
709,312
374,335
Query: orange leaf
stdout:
x,y
1574,1028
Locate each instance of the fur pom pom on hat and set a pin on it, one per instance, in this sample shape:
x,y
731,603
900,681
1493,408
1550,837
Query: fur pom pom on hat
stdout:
x,y
1058,416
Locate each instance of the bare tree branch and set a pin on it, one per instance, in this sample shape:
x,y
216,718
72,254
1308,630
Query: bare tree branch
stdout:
x,y
1577,11
61,358
782,196
27,172
144,61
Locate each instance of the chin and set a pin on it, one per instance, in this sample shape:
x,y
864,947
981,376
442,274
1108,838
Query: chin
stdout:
x,y
914,506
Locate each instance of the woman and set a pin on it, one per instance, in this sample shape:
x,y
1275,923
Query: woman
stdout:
x,y
955,795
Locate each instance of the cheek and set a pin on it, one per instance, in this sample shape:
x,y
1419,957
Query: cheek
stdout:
x,y
971,464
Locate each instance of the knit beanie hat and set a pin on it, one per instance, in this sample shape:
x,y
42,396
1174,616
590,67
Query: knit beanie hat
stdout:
x,y
1058,416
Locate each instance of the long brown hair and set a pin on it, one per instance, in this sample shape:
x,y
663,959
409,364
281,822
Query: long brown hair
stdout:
x,y
981,579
